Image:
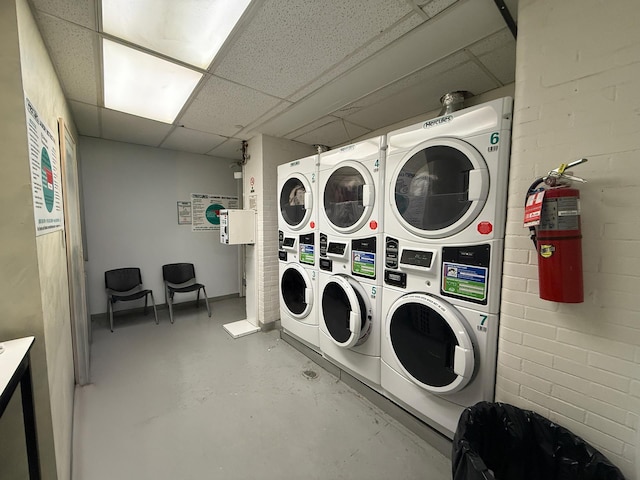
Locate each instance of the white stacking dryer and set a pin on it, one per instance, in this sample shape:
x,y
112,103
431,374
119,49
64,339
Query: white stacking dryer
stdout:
x,y
350,265
298,249
445,214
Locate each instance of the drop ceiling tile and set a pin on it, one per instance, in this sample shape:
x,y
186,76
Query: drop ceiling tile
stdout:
x,y
80,12
434,7
230,149
422,97
128,128
332,134
187,140
502,63
86,118
422,77
224,108
395,62
492,42
254,128
321,122
387,37
289,43
73,50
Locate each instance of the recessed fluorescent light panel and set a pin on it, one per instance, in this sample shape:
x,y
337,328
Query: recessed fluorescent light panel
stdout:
x,y
144,85
188,30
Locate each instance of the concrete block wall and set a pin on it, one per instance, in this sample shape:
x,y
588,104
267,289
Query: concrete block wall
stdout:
x,y
577,95
266,154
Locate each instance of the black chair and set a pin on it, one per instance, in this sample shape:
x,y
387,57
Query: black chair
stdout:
x,y
124,284
181,278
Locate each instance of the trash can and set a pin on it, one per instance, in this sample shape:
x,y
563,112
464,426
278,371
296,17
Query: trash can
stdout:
x,y
503,442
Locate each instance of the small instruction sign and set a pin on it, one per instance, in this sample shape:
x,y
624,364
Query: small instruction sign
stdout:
x,y
363,264
464,281
307,254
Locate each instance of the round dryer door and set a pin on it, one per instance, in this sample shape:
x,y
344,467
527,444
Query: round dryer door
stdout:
x,y
348,195
296,201
345,311
296,290
440,187
430,341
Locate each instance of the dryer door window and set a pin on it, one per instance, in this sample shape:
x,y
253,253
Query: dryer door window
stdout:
x,y
344,313
441,188
294,199
296,291
348,197
431,344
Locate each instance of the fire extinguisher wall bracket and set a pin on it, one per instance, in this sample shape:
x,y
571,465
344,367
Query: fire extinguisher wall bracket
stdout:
x,y
559,246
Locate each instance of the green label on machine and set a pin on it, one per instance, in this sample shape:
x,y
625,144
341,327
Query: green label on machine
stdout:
x,y
464,281
363,264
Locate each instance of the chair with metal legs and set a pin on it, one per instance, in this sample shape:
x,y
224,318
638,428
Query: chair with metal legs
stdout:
x,y
181,278
125,284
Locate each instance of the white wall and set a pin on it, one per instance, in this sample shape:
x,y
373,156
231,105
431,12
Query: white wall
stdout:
x,y
130,194
578,95
34,291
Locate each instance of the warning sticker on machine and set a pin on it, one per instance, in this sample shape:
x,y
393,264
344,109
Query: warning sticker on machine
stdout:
x,y
307,254
464,281
363,264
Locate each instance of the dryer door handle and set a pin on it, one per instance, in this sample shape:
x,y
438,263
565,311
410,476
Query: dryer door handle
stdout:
x,y
308,295
463,362
353,322
475,185
368,195
308,201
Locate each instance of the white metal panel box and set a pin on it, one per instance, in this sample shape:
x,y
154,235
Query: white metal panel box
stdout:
x,y
237,227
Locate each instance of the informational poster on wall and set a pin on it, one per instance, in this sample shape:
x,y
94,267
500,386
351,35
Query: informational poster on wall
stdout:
x,y
205,210
44,163
184,213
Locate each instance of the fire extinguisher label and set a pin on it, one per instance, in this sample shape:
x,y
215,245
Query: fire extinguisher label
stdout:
x,y
546,251
560,214
464,281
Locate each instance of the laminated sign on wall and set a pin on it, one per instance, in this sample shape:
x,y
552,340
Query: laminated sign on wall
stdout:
x,y
45,173
205,210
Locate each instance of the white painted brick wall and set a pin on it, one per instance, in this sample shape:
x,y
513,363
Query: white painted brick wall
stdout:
x,y
577,95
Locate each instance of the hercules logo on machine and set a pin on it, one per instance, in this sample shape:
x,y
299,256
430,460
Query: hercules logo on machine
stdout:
x,y
437,121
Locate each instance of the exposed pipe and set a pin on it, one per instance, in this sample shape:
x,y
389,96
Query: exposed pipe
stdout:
x,y
320,148
508,19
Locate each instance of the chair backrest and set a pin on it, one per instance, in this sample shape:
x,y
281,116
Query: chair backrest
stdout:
x,y
122,279
178,272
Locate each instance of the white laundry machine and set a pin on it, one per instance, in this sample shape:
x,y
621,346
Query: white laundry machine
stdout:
x,y
447,178
351,189
350,305
298,249
439,340
445,216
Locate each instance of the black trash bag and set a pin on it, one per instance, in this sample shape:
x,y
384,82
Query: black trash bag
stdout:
x,y
497,441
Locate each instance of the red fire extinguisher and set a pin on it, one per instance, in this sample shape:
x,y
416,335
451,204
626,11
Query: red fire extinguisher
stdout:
x,y
558,236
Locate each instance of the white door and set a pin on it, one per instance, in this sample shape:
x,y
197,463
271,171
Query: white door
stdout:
x,y
439,188
430,341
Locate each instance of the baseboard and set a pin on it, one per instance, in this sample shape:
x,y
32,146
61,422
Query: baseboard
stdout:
x,y
417,426
102,317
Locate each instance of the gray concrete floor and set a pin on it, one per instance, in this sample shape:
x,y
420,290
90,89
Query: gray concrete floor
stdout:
x,y
186,401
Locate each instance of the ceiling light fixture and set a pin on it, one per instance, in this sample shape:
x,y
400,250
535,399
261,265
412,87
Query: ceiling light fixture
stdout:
x,y
144,85
192,31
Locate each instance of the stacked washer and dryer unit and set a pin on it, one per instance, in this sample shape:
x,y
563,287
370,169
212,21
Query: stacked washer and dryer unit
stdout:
x,y
297,249
350,265
445,215
409,259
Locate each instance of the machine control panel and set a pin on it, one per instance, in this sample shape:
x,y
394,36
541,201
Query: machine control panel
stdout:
x,y
326,264
416,258
335,248
323,244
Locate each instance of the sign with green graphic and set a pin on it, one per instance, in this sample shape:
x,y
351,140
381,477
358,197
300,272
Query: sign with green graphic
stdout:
x,y
45,173
464,281
363,264
205,210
